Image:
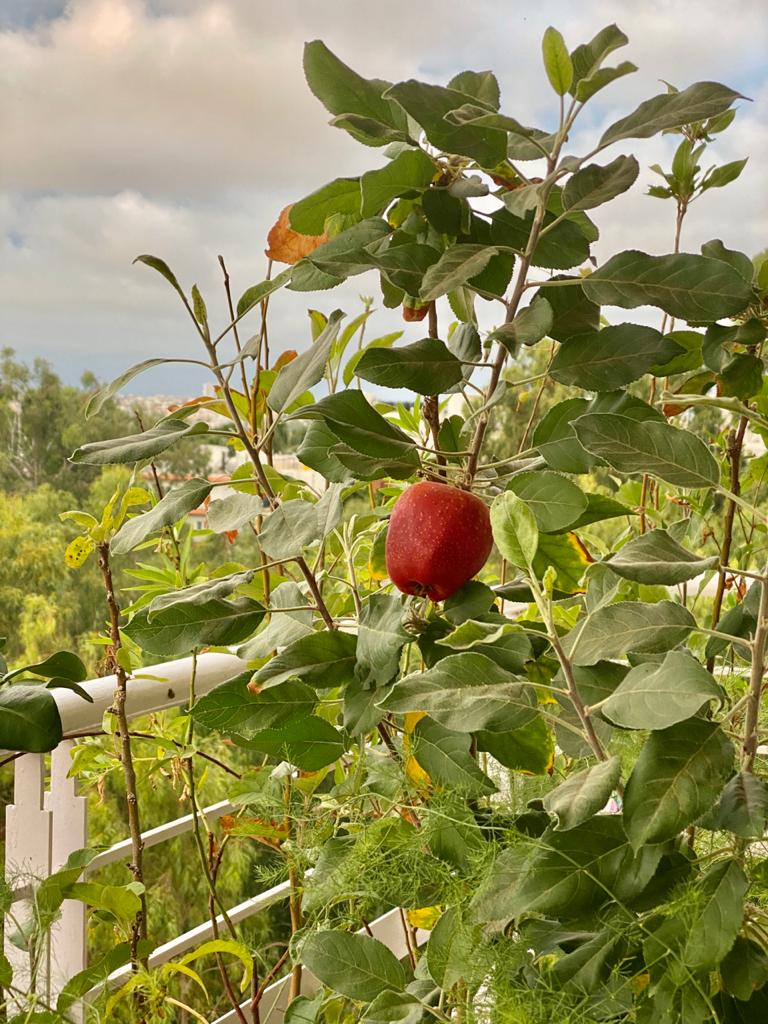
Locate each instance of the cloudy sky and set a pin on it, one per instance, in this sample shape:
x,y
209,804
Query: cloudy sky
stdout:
x,y
181,127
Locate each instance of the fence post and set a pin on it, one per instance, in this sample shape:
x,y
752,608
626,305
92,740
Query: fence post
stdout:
x,y
27,862
69,819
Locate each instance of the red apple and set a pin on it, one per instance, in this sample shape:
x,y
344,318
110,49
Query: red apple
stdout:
x,y
438,538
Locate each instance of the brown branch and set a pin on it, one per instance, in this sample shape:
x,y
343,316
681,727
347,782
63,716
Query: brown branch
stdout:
x,y
749,749
231,308
735,444
136,867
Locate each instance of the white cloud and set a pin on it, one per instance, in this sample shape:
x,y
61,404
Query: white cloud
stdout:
x,y
181,127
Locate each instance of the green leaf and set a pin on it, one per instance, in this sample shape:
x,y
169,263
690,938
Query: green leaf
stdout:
x,y
611,358
405,265
256,293
684,285
719,916
309,743
738,260
316,452
745,969
355,422
657,558
303,1010
573,313
600,508
455,267
743,806
571,873
385,341
529,326
742,376
347,254
341,90
97,972
529,749
63,663
556,440
514,529
394,1008
724,174
472,633
566,553
677,456
136,447
672,110
234,511
445,756
117,900
557,61
634,626
172,507
231,708
594,184
656,696
583,794
381,637
450,949
182,628
522,143
284,626
29,719
164,270
358,966
465,692
199,593
340,196
482,85
474,599
297,523
98,400
443,211
677,777
307,369
587,87
368,467
563,246
556,502
217,946
426,367
588,57
321,659
429,104
411,170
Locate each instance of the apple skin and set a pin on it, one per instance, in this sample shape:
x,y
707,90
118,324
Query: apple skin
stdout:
x,y
439,537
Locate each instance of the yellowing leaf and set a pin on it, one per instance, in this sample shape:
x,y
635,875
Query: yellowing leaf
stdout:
x,y
77,552
424,917
284,245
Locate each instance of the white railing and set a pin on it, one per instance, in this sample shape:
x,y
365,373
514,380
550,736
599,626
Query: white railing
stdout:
x,y
48,821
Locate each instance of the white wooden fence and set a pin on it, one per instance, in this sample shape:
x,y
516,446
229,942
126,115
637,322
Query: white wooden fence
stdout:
x,y
48,821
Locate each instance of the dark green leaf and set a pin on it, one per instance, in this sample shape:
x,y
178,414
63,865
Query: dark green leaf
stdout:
x,y
355,422
599,508
406,264
200,593
744,969
655,557
612,357
684,285
284,626
482,85
677,777
588,57
346,254
233,511
97,401
474,599
321,659
630,626
309,743
341,90
315,451
522,143
724,174
307,369
594,184
529,326
445,756
742,376
602,77
743,806
340,196
672,110
164,270
182,628
385,341
556,502
583,794
29,719
562,247
411,170
573,313
136,447
231,708
426,367
653,696
529,749
443,211
358,966
659,449
428,105
455,267
63,663
719,916
172,507
450,949
738,260
556,439
380,639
